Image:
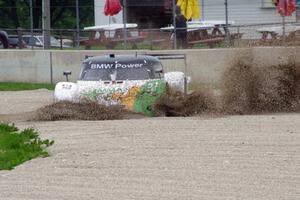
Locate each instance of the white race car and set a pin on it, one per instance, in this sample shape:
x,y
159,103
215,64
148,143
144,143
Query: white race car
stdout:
x,y
134,81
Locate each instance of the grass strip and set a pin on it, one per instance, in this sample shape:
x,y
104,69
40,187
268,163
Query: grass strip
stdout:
x,y
17,147
15,86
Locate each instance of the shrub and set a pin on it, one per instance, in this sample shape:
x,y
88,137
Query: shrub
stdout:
x,y
16,147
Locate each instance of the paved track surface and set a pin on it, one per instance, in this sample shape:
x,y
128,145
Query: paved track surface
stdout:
x,y
24,101
234,157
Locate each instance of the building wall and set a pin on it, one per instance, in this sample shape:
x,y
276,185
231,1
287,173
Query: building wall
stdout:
x,y
242,11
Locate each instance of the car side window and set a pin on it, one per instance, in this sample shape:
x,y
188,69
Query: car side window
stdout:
x,y
26,39
32,41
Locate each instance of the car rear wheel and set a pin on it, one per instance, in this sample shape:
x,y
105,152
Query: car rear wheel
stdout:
x,y
3,42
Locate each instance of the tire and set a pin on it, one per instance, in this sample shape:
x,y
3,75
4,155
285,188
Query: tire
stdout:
x,y
3,41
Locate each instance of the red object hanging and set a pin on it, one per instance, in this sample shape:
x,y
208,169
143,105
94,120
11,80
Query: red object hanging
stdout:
x,y
112,7
288,6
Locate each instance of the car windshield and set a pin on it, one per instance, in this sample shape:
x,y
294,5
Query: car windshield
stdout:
x,y
119,74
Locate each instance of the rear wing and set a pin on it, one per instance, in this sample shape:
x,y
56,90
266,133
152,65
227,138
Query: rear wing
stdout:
x,y
168,56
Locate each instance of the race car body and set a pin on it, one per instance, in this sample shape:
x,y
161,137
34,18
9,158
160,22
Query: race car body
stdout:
x,y
134,81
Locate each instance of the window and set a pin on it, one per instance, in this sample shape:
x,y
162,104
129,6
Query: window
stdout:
x,y
267,4
33,41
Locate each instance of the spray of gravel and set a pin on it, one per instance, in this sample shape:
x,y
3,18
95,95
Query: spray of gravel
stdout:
x,y
246,88
66,110
175,103
250,88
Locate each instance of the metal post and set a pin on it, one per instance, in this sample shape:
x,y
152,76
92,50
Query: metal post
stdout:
x,y
124,22
226,19
174,24
151,39
43,21
238,31
46,23
283,22
202,10
77,23
185,75
31,20
60,40
51,67
20,45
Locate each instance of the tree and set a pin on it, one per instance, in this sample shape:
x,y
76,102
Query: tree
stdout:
x,y
63,13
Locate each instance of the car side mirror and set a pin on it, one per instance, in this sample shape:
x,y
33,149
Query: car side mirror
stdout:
x,y
67,74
